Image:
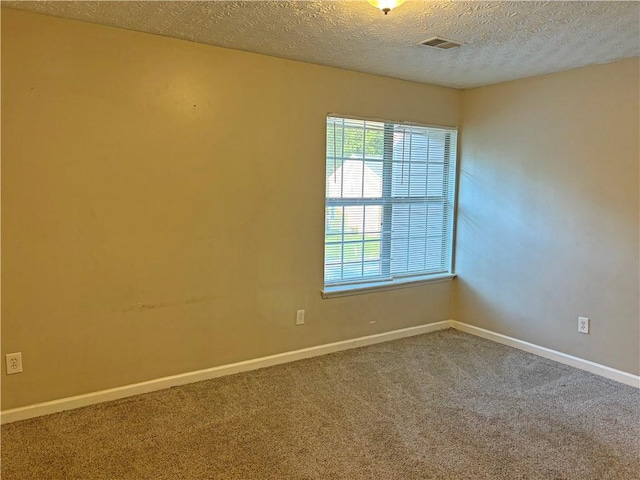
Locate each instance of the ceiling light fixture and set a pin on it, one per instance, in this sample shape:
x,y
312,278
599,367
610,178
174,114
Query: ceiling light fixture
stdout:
x,y
386,5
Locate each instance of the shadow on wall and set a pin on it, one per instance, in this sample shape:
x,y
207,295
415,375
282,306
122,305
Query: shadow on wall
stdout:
x,y
536,247
509,259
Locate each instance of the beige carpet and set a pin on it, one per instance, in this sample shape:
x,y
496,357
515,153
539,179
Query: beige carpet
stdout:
x,y
444,405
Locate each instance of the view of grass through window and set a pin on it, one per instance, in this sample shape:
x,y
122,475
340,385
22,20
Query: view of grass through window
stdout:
x,y
389,201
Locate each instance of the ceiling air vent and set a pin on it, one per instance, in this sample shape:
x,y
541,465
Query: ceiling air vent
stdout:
x,y
439,42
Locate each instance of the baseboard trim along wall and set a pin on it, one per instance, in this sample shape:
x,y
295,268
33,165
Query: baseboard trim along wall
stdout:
x,y
77,401
602,370
69,403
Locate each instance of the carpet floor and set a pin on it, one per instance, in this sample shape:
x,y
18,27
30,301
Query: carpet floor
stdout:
x,y
444,405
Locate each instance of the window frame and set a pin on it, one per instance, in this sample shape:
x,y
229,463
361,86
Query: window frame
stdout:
x,y
388,281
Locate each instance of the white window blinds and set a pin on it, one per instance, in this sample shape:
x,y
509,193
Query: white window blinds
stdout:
x,y
389,201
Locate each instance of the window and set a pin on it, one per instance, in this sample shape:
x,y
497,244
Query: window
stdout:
x,y
389,204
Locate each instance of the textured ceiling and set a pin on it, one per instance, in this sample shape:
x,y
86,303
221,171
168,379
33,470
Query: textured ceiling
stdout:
x,y
502,40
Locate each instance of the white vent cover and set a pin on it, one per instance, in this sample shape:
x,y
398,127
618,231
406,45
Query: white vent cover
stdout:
x,y
440,42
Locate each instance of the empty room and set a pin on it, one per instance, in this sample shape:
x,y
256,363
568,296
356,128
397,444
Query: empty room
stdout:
x,y
320,240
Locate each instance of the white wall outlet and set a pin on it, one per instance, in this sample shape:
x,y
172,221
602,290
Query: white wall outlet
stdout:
x,y
14,363
583,325
300,317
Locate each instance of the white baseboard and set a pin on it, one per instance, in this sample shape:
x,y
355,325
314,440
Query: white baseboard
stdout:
x,y
68,403
602,370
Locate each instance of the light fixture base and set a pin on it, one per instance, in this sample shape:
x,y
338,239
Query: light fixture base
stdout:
x,y
386,5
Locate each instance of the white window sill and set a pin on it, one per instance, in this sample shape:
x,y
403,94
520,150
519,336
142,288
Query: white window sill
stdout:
x,y
362,288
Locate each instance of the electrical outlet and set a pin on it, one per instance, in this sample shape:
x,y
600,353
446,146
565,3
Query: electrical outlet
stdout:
x,y
300,317
583,325
14,363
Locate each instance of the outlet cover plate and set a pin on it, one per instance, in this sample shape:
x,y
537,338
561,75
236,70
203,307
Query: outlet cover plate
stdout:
x,y
14,363
583,325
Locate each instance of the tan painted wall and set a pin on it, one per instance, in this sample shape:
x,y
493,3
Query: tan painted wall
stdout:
x,y
548,211
163,205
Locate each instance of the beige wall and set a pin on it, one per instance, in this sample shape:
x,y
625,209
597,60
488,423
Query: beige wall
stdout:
x,y
163,205
548,211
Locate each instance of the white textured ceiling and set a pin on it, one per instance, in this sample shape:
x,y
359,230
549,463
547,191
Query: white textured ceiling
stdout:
x,y
502,40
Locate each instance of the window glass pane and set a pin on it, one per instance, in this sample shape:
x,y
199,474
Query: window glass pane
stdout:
x,y
418,179
333,254
375,140
352,172
353,140
435,220
419,147
332,273
353,222
333,224
333,186
416,253
434,259
352,270
334,155
372,250
435,182
399,255
400,221
399,179
352,252
373,221
418,220
372,269
372,177
436,145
